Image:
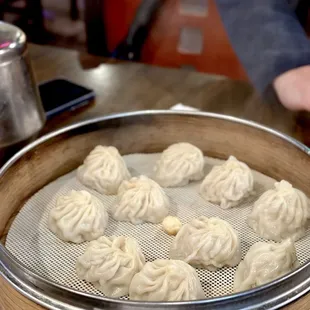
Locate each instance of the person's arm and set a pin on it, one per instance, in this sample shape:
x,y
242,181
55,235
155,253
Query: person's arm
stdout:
x,y
266,36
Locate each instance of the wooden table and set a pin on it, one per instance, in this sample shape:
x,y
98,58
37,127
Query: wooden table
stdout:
x,y
129,86
133,86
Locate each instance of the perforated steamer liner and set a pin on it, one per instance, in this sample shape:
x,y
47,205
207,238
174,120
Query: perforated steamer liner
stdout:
x,y
217,136
55,260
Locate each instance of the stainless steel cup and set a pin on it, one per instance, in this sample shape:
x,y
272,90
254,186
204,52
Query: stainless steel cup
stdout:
x,y
21,111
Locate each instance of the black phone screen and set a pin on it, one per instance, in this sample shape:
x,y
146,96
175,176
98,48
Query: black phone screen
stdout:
x,y
59,95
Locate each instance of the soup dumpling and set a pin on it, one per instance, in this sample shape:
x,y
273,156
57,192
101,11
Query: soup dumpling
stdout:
x,y
209,243
264,263
179,164
103,170
140,200
166,280
228,184
77,217
280,213
110,263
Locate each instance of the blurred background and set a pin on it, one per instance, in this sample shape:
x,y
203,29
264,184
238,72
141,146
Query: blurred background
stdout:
x,y
186,34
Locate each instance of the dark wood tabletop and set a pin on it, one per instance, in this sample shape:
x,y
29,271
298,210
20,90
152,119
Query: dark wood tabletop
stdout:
x,y
122,86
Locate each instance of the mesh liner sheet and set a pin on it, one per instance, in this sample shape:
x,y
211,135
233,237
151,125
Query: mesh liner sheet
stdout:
x,y
30,240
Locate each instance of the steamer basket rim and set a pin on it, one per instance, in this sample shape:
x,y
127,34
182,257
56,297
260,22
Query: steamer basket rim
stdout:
x,y
8,262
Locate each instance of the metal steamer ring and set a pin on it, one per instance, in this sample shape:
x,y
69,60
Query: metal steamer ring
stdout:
x,y
58,153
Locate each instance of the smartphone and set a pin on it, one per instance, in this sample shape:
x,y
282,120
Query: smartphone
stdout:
x,y
60,95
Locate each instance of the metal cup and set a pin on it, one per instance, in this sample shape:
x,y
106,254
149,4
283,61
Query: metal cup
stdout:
x,y
21,112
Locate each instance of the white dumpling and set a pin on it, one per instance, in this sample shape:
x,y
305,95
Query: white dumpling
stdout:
x,y
110,263
265,262
103,170
228,184
78,217
179,164
280,213
208,243
166,280
140,200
